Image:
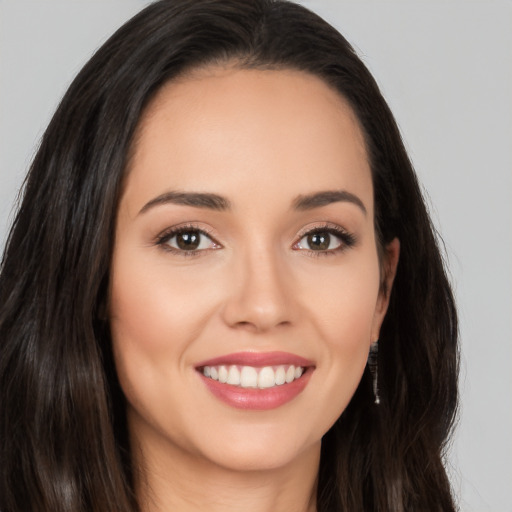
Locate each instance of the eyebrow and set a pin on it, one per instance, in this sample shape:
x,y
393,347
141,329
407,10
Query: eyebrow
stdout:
x,y
319,199
216,202
196,199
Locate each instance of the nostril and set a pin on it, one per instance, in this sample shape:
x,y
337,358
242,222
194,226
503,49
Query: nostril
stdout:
x,y
249,327
258,326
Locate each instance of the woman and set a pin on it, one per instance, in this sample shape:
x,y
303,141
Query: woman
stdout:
x,y
220,223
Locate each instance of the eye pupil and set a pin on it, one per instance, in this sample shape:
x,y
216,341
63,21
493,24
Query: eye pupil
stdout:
x,y
319,241
188,240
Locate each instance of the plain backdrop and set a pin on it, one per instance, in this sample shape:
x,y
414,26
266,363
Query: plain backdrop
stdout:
x,y
445,68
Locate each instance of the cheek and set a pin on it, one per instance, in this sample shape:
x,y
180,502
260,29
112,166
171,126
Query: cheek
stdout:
x,y
343,301
157,311
155,314
343,308
153,304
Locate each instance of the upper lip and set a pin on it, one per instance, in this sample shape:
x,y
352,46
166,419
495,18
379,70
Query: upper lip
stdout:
x,y
257,359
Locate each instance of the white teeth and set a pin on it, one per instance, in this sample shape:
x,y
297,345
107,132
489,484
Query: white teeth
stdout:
x,y
250,377
233,376
280,376
223,374
266,378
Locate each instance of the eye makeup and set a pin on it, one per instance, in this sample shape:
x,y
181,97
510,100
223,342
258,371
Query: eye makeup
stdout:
x,y
187,240
320,240
191,240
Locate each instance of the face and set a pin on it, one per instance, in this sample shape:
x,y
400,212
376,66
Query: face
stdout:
x,y
245,288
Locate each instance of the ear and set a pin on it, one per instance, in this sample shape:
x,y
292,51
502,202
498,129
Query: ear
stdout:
x,y
389,264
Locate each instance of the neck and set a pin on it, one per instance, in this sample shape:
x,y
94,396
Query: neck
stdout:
x,y
173,480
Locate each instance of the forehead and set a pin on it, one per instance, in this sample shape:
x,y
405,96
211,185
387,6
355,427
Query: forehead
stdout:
x,y
226,130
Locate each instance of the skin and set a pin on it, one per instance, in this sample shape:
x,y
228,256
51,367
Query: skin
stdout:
x,y
260,139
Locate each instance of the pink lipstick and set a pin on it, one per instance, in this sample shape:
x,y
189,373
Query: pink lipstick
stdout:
x,y
255,380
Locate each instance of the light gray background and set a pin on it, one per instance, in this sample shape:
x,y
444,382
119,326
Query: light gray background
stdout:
x,y
446,69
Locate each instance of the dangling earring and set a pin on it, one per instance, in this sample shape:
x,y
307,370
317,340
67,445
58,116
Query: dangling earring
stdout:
x,y
373,365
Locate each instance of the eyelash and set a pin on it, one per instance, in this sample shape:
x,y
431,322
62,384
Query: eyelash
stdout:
x,y
347,240
163,239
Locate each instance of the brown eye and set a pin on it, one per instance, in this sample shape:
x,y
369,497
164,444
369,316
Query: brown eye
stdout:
x,y
188,240
319,241
324,240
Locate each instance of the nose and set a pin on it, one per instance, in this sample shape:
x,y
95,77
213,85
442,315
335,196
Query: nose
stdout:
x,y
260,293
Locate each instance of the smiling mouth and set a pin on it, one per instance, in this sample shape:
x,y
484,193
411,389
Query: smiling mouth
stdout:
x,y
251,377
256,381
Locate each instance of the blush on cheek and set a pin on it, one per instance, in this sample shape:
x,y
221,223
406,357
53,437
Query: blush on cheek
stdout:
x,y
139,303
348,317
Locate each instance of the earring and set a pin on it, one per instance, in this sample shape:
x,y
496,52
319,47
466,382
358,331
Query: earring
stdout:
x,y
373,365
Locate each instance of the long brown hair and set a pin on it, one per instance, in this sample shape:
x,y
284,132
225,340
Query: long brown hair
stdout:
x,y
63,439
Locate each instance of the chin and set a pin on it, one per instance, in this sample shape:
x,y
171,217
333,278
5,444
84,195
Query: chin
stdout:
x,y
260,452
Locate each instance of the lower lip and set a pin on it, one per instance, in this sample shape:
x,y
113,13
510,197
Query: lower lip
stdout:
x,y
257,399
